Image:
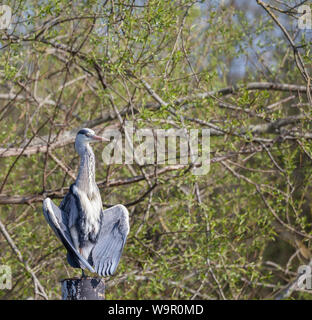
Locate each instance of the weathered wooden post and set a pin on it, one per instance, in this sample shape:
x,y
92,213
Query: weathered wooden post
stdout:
x,y
83,289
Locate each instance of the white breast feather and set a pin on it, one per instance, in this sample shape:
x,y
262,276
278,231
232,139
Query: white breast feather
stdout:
x,y
92,209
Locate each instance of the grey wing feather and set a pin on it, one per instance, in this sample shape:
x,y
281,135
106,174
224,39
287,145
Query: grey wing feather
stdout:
x,y
112,237
69,206
58,221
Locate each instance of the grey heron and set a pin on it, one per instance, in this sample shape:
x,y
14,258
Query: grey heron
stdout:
x,y
94,238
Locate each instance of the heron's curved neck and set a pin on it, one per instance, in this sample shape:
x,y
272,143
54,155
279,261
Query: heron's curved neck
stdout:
x,y
86,175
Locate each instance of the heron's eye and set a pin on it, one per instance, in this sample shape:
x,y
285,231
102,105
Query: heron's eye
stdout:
x,y
88,134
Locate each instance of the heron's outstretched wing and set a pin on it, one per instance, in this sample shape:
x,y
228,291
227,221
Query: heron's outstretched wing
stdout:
x,y
58,221
111,240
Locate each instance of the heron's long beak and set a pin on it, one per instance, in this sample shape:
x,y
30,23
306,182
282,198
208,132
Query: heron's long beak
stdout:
x,y
98,138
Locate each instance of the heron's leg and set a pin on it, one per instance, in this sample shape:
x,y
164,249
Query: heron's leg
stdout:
x,y
83,275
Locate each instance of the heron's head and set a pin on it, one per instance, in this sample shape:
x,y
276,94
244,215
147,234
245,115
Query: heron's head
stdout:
x,y
84,137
